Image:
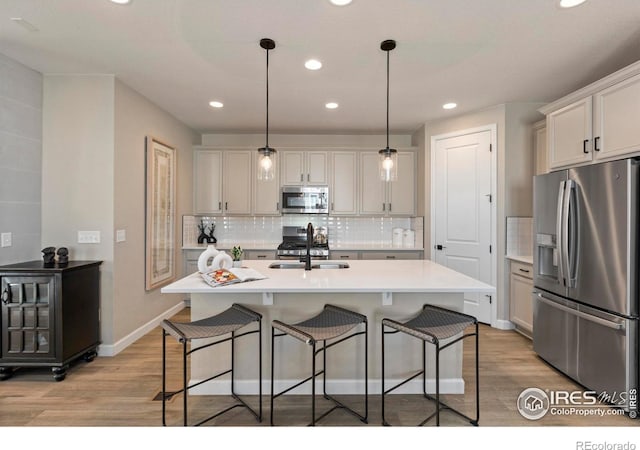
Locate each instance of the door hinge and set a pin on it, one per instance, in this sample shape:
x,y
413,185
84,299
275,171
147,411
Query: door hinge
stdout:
x,y
490,248
490,298
490,147
490,197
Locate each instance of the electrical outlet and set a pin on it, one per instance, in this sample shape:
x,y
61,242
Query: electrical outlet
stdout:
x,y
121,235
88,237
5,238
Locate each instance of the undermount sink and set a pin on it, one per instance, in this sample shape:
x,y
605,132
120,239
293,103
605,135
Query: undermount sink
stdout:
x,y
314,265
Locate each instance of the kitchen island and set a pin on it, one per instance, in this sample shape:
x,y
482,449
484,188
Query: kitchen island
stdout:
x,y
378,289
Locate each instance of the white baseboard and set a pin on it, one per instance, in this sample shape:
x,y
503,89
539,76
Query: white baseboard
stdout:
x,y
114,349
502,324
338,387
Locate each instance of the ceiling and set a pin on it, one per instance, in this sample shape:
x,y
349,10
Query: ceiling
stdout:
x,y
181,54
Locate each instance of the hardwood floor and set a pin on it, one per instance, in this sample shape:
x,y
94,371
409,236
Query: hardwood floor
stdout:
x,y
119,391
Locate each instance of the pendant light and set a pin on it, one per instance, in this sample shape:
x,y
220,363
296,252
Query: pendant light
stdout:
x,y
266,164
388,156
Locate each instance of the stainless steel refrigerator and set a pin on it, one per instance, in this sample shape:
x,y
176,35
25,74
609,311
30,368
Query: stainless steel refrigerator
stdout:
x,y
585,297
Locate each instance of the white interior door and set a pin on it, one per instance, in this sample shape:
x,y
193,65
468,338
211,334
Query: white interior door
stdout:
x,y
461,211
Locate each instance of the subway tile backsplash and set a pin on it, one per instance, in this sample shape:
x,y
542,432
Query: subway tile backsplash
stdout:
x,y
343,230
519,236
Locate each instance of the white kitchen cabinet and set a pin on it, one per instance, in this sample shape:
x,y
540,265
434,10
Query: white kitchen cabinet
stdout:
x,y
207,187
309,168
266,193
520,301
222,181
397,198
540,147
343,191
616,111
569,132
237,178
596,123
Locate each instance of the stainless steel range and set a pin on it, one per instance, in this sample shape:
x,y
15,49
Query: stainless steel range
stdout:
x,y
294,243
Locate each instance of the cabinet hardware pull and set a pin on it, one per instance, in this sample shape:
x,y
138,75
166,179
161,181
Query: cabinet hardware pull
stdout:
x,y
262,256
220,206
523,270
384,205
277,206
391,257
344,256
308,177
584,146
6,295
301,177
226,206
595,143
389,207
332,208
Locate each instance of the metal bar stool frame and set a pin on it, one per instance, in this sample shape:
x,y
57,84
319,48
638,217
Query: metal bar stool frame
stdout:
x,y
315,351
438,347
186,353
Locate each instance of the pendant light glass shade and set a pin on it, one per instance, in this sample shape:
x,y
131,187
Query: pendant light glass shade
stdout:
x,y
267,160
388,161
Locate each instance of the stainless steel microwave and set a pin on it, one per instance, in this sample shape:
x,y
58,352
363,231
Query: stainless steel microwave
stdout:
x,y
305,199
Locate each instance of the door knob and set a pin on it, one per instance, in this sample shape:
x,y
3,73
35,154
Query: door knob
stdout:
x,y
439,247
6,296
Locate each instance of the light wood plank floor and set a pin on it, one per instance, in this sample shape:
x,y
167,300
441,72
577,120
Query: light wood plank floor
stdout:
x,y
120,391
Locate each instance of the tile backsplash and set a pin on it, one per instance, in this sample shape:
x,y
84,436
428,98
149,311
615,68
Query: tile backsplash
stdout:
x,y
268,229
519,236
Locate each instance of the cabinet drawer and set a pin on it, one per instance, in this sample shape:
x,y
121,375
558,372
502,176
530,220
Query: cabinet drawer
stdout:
x,y
260,254
522,269
343,255
392,255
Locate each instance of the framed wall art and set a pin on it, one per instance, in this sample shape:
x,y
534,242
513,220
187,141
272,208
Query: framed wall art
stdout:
x,y
160,213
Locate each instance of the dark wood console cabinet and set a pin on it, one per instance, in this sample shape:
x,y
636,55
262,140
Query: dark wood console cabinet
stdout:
x,y
49,314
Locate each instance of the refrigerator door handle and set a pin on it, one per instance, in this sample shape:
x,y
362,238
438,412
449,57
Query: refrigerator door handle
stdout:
x,y
570,233
559,231
582,315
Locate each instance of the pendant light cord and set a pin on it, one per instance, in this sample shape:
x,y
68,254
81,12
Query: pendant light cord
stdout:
x,y
387,99
267,137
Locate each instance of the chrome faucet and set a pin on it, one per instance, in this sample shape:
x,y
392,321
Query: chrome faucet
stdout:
x,y
307,258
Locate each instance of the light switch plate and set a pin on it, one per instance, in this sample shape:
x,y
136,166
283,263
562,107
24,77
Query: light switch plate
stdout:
x,y
5,240
88,237
121,235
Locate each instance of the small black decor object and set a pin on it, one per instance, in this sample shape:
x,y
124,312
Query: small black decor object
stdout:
x,y
48,255
211,239
63,255
202,238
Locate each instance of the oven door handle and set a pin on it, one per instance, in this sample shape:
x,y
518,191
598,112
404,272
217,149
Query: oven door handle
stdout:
x,y
582,315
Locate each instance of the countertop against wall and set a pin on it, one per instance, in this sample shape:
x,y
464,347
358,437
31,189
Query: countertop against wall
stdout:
x,y
527,259
261,245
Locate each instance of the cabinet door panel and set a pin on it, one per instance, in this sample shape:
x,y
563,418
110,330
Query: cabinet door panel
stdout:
x,y
26,325
317,168
207,189
344,187
266,194
521,303
372,189
402,199
616,112
567,130
237,182
292,168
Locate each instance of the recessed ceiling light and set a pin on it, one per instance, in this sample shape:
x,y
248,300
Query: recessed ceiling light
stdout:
x,y
313,64
449,105
570,3
216,104
331,105
340,2
121,2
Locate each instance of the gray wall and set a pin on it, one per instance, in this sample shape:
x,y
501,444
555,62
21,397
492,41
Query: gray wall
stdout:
x,y
20,160
93,148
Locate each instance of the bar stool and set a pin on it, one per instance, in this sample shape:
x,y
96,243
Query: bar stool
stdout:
x,y
433,325
228,321
330,323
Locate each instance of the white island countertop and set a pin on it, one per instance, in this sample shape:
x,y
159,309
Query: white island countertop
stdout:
x,y
362,276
